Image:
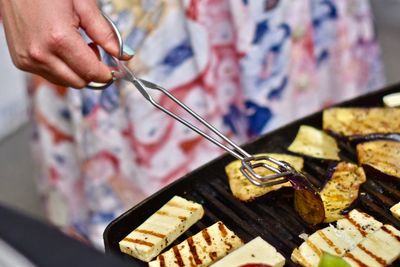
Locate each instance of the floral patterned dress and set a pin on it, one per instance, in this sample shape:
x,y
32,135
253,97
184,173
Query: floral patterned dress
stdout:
x,y
247,66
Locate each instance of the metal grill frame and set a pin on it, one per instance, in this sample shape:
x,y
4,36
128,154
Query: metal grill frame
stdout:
x,y
272,216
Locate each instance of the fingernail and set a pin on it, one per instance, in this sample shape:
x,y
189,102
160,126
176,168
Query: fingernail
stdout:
x,y
128,51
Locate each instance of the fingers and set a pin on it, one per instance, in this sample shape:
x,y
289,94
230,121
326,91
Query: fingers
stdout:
x,y
81,59
46,41
57,72
98,29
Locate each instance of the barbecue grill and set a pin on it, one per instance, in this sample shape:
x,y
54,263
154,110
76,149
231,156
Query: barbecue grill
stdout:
x,y
272,216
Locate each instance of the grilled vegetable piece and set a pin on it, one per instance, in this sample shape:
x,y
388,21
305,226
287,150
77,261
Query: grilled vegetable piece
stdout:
x,y
381,155
341,189
307,201
314,143
396,211
329,260
202,249
161,228
365,243
361,121
256,251
244,190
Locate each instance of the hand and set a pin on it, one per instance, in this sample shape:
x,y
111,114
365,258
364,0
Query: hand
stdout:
x,y
43,38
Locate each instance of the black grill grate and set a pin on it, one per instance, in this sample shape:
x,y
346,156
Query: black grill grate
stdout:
x,y
272,216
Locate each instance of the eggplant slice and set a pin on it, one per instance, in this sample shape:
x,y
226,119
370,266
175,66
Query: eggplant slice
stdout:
x,y
307,201
382,156
341,189
350,122
314,143
244,190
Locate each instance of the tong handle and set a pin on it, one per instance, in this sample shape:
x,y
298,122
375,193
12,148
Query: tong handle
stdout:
x,y
237,151
101,86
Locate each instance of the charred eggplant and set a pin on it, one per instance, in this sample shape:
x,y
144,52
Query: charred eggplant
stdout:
x,y
307,201
350,122
380,156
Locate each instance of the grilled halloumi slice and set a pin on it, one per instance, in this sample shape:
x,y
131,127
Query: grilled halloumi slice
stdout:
x,y
161,228
257,251
312,142
328,239
381,248
202,249
341,189
382,155
336,241
244,190
358,225
361,121
396,211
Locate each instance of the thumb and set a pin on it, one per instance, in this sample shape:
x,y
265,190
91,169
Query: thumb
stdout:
x,y
98,29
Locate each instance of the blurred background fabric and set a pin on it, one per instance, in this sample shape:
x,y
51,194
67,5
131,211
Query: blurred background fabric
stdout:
x,y
246,66
13,104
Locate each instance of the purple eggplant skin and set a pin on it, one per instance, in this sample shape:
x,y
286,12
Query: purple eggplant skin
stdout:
x,y
329,173
376,174
307,201
337,136
357,139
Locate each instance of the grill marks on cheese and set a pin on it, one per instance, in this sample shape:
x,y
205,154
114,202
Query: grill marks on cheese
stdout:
x,y
150,233
380,248
178,256
358,238
161,229
361,121
143,242
391,232
193,251
206,236
375,257
355,226
202,249
359,228
330,243
138,241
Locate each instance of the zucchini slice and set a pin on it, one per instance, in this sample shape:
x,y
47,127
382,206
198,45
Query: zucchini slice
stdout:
x,y
314,143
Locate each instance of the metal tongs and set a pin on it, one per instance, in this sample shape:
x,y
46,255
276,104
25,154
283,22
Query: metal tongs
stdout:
x,y
281,170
